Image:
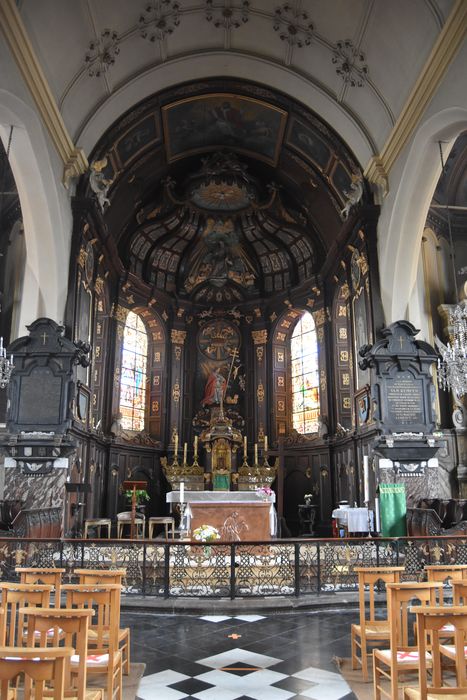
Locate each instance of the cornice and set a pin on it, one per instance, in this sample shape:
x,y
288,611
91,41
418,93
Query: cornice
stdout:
x,y
435,68
74,159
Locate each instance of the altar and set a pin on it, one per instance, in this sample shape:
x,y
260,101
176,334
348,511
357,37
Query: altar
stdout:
x,y
237,515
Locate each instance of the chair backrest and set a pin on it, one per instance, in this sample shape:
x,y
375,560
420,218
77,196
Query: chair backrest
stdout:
x,y
46,576
13,597
400,597
459,592
41,666
369,579
50,626
104,599
430,624
455,572
100,575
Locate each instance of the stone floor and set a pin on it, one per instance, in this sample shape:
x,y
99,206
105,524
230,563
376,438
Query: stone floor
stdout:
x,y
265,656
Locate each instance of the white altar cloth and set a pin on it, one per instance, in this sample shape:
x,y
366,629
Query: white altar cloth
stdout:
x,y
224,497
355,519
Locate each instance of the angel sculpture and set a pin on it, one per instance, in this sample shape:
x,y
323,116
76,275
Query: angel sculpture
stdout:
x,y
353,195
99,183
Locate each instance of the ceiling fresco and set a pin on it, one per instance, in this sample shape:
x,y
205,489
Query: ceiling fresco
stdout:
x,y
224,191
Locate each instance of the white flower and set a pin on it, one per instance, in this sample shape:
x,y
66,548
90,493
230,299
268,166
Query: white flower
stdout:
x,y
206,533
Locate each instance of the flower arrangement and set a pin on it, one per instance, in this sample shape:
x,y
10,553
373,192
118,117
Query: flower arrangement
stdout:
x,y
141,495
264,491
206,533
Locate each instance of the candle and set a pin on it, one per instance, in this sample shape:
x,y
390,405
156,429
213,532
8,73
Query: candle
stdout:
x,y
196,446
182,491
245,447
265,443
256,453
185,450
176,444
377,516
366,479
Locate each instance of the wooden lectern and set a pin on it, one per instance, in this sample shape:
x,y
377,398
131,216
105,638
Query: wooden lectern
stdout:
x,y
133,486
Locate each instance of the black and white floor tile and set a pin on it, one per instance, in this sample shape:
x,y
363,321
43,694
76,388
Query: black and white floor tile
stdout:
x,y
283,656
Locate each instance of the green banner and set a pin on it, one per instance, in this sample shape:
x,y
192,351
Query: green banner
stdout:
x,y
393,507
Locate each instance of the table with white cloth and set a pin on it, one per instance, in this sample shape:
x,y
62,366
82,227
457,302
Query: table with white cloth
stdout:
x,y
237,515
354,519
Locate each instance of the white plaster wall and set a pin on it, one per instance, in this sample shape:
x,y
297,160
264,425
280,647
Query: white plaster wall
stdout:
x,y
45,203
412,181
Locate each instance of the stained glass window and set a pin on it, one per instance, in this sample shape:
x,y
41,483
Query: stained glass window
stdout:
x,y
305,376
133,374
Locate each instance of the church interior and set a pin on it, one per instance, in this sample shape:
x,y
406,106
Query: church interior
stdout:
x,y
233,267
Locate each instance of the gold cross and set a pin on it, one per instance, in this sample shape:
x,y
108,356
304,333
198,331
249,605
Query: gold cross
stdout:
x,y
401,339
44,337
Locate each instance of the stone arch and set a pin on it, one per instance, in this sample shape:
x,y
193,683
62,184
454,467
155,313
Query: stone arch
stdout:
x,y
403,219
45,211
214,64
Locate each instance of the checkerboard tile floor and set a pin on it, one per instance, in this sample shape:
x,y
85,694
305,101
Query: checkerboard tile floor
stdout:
x,y
243,657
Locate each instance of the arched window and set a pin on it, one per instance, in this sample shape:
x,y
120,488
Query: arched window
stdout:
x,y
133,373
305,376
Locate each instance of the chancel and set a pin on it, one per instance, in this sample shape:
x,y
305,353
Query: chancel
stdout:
x,y
233,303
230,275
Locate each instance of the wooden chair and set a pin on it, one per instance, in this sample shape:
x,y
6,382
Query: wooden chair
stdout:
x,y
167,521
104,655
369,630
48,577
103,576
51,626
400,657
41,666
97,524
430,624
448,650
13,597
443,572
124,519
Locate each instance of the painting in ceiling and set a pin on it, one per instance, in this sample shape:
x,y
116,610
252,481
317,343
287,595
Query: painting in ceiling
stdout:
x,y
214,121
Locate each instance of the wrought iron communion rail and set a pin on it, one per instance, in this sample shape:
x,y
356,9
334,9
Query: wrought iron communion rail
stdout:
x,y
233,570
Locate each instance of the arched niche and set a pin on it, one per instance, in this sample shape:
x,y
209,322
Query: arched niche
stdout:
x,y
45,212
404,215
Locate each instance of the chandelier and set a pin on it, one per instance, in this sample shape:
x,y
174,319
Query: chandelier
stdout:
x,y
6,366
452,363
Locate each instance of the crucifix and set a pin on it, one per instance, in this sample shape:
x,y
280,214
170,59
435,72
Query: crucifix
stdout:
x,y
44,337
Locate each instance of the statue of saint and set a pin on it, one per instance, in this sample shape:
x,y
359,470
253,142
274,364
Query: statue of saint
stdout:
x,y
214,389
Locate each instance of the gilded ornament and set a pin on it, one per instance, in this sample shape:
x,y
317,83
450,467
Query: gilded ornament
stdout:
x,y
320,334
260,392
82,255
280,356
345,291
286,324
176,392
260,353
177,336
319,317
346,379
310,303
280,406
273,316
165,315
342,310
344,356
99,285
260,337
280,337
178,352
157,356
280,380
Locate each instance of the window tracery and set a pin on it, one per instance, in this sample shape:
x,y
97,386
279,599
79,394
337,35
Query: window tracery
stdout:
x,y
133,374
305,375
